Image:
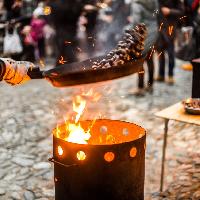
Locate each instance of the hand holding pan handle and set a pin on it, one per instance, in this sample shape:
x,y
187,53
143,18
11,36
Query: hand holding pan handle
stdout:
x,y
126,59
17,72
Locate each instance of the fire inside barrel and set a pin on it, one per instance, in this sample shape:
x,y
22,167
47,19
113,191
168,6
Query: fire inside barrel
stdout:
x,y
110,165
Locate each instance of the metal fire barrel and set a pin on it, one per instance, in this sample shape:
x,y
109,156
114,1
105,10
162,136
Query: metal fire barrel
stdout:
x,y
112,165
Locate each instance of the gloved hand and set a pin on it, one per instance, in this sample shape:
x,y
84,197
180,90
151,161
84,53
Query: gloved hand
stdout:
x,y
16,71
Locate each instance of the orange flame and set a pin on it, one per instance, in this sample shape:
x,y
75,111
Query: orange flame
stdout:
x,y
73,131
77,134
79,107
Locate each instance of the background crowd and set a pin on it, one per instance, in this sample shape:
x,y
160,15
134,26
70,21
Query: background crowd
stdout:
x,y
72,30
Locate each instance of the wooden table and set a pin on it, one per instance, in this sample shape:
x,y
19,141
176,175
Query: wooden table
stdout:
x,y
177,113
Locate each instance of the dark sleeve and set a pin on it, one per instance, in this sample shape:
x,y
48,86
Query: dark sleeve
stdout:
x,y
179,10
2,69
64,13
93,2
8,4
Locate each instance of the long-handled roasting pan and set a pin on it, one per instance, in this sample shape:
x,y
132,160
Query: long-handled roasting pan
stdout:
x,y
84,73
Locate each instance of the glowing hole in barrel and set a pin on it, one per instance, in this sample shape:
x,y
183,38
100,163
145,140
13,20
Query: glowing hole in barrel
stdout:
x,y
60,151
81,155
109,156
133,152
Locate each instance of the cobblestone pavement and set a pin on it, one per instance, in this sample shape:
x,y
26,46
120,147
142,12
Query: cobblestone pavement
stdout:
x,y
28,113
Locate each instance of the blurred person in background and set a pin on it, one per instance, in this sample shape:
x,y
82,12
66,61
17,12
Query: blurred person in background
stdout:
x,y
169,17
183,52
144,11
121,12
113,19
13,8
91,14
34,38
105,19
37,31
191,10
64,18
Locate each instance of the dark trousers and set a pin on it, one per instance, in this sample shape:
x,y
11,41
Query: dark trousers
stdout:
x,y
91,32
91,41
66,43
150,65
41,47
171,58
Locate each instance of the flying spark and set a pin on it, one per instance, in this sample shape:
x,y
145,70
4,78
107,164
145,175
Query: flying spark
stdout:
x,y
62,61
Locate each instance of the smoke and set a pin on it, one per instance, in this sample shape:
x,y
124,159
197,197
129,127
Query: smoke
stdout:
x,y
109,33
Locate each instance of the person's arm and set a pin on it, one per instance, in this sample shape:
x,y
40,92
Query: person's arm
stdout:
x,y
14,72
167,11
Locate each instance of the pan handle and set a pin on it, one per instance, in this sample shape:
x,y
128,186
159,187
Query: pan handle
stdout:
x,y
35,73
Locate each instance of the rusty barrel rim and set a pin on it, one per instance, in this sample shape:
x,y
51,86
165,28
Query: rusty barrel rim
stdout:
x,y
130,124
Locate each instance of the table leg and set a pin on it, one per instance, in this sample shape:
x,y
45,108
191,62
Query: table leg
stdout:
x,y
163,154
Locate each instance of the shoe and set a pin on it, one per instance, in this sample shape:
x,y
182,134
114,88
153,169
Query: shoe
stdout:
x,y
187,67
170,80
149,89
139,92
160,79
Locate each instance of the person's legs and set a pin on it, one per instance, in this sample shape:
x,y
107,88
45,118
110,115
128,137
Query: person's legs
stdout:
x,y
41,48
150,65
141,80
160,47
66,43
90,34
171,55
91,31
161,76
140,90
